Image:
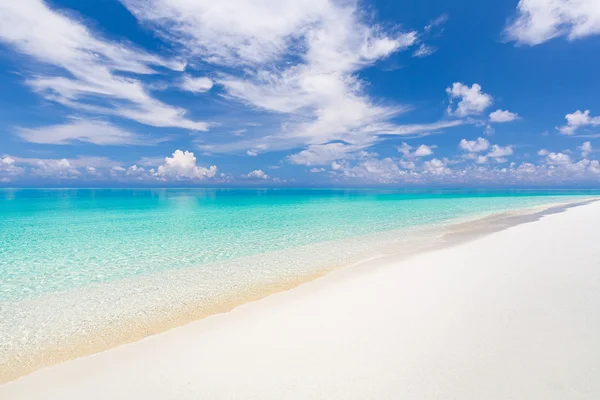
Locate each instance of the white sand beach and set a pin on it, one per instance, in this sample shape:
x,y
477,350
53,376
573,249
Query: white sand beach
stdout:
x,y
511,315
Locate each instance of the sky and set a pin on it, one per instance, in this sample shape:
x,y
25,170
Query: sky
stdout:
x,y
113,93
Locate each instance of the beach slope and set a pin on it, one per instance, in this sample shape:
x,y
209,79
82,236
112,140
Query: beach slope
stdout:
x,y
514,314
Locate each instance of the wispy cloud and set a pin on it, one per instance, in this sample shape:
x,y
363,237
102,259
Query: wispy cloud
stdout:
x,y
89,131
88,76
300,62
538,21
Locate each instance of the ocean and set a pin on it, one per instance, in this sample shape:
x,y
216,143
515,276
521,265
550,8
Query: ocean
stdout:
x,y
82,270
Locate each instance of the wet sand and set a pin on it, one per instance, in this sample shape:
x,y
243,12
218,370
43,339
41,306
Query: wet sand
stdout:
x,y
511,314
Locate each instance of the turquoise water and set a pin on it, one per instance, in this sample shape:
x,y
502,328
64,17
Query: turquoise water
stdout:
x,y
84,270
57,240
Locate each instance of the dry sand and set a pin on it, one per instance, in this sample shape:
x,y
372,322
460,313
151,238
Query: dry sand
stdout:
x,y
512,315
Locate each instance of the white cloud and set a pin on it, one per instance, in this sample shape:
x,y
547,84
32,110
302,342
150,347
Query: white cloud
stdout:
x,y
558,168
372,170
424,51
558,159
90,131
407,164
300,61
436,167
252,153
59,169
474,146
538,21
182,165
488,130
423,151
472,100
230,32
322,154
481,159
8,169
586,149
87,77
134,170
500,116
257,174
543,152
436,22
196,85
92,171
405,148
594,167
78,162
577,120
500,151
417,129
150,161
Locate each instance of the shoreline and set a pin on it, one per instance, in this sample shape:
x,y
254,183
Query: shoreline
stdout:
x,y
512,314
134,328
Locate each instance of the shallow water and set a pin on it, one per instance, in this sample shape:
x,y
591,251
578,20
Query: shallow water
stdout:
x,y
56,240
85,270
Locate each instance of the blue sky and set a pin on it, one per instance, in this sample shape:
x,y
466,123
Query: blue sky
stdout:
x,y
311,93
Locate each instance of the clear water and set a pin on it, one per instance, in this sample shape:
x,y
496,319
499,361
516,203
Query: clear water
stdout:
x,y
57,240
84,270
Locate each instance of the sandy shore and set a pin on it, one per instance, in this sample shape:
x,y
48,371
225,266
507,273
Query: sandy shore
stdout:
x,y
510,315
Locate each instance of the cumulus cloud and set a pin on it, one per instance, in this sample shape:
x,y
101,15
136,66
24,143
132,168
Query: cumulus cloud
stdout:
x,y
577,120
586,149
86,68
538,21
89,131
99,168
558,159
182,165
436,167
557,168
8,169
371,170
543,152
500,151
500,116
58,169
257,174
471,100
474,146
196,85
421,151
7,160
